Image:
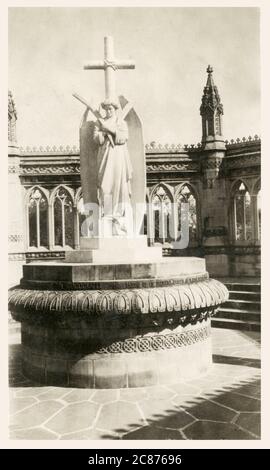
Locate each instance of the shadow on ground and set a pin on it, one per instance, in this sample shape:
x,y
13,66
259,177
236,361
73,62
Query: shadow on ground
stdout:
x,y
224,404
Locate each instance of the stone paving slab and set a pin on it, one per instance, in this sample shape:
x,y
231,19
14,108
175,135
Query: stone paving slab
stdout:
x,y
224,404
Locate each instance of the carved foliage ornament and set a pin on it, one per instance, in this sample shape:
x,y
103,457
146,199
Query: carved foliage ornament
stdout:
x,y
179,298
212,163
185,166
211,101
50,170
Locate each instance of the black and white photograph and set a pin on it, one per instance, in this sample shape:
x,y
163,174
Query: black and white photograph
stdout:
x,y
134,223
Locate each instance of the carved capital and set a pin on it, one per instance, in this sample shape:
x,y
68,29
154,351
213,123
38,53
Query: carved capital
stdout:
x,y
211,163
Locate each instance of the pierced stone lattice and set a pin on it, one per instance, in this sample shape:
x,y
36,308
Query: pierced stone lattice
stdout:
x,y
157,342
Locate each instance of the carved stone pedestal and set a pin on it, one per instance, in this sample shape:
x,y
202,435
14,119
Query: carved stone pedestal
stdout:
x,y
113,326
114,250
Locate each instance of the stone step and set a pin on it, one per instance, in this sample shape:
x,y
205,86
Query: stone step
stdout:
x,y
237,314
246,287
242,295
235,324
242,310
242,305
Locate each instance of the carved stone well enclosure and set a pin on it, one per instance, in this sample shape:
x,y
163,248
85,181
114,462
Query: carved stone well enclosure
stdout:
x,y
114,326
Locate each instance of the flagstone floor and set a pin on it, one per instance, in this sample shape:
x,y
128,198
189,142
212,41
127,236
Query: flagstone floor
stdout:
x,y
224,404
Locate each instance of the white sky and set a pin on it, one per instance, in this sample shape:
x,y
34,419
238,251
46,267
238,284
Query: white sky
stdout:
x,y
171,48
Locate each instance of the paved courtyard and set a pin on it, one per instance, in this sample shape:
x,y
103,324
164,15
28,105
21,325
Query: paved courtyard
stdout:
x,y
224,404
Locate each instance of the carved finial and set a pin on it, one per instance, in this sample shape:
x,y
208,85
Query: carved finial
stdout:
x,y
211,110
210,80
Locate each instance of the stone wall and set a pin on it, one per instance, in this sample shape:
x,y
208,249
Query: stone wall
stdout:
x,y
211,176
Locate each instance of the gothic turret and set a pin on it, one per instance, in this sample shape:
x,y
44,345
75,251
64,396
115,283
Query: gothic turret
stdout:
x,y
16,235
211,111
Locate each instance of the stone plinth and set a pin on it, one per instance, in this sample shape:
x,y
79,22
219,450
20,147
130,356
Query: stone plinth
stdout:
x,y
114,250
121,325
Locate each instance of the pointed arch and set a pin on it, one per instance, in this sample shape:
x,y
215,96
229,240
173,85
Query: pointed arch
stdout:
x,y
64,187
191,187
44,191
237,183
62,203
242,211
187,193
159,187
161,207
37,217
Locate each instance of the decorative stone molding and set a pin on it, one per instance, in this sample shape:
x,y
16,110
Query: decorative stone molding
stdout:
x,y
50,170
243,161
116,285
16,257
230,250
84,358
44,255
231,163
12,169
15,238
157,342
75,168
212,163
153,147
242,141
196,251
211,167
158,167
74,150
178,298
246,250
215,232
62,150
171,148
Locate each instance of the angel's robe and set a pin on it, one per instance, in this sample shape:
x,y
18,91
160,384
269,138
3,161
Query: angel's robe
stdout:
x,y
114,167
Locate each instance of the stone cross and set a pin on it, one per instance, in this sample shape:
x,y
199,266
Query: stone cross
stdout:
x,y
109,65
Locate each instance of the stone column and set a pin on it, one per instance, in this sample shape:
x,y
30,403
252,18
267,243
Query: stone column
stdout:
x,y
214,212
213,194
16,212
150,230
254,215
51,225
174,221
76,228
16,209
